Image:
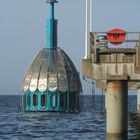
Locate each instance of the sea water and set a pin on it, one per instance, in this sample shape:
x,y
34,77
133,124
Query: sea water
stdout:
x,y
89,124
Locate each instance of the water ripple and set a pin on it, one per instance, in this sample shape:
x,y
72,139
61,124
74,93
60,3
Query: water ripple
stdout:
x,y
90,124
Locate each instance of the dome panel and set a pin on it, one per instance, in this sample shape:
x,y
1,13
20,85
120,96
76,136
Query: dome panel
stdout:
x,y
68,63
35,67
43,78
76,86
74,83
62,82
52,69
52,82
34,82
77,83
42,86
26,85
27,79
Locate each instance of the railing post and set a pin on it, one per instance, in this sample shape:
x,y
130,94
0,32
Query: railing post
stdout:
x,y
95,47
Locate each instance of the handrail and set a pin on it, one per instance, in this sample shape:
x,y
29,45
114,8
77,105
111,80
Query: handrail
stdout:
x,y
114,41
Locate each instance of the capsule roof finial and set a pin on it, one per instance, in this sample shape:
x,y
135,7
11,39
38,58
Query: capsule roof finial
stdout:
x,y
52,1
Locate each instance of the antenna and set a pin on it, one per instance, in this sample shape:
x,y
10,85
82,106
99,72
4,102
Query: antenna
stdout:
x,y
51,27
91,15
87,53
86,33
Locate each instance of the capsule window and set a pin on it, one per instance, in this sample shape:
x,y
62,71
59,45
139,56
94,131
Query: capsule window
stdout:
x,y
62,100
43,100
53,100
28,100
34,100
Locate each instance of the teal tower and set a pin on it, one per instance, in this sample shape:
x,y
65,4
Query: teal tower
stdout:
x,y
51,27
51,82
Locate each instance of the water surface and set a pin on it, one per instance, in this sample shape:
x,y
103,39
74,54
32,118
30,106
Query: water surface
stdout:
x,y
89,124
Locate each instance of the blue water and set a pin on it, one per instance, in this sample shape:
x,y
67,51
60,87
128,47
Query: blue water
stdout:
x,y
88,125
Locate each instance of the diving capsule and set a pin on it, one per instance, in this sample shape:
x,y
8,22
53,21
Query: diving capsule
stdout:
x,y
52,82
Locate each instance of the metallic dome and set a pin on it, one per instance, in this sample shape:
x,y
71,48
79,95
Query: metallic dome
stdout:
x,y
52,70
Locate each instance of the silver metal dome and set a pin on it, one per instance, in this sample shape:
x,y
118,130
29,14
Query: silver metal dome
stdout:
x,y
52,70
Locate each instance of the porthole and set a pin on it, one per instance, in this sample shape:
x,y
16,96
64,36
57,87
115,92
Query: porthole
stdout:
x,y
53,100
62,100
28,99
34,100
43,100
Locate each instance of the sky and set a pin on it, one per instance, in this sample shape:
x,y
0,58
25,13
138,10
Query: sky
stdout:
x,y
22,32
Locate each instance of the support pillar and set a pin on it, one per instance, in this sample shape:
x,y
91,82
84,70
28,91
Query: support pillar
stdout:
x,y
105,100
117,107
138,100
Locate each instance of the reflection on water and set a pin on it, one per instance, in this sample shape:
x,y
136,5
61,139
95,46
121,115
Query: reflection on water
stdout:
x,y
134,122
116,137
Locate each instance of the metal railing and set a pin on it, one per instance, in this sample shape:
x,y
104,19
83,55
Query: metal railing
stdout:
x,y
100,41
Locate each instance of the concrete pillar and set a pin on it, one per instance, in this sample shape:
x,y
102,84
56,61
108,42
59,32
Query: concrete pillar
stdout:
x,y
138,100
117,106
105,100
